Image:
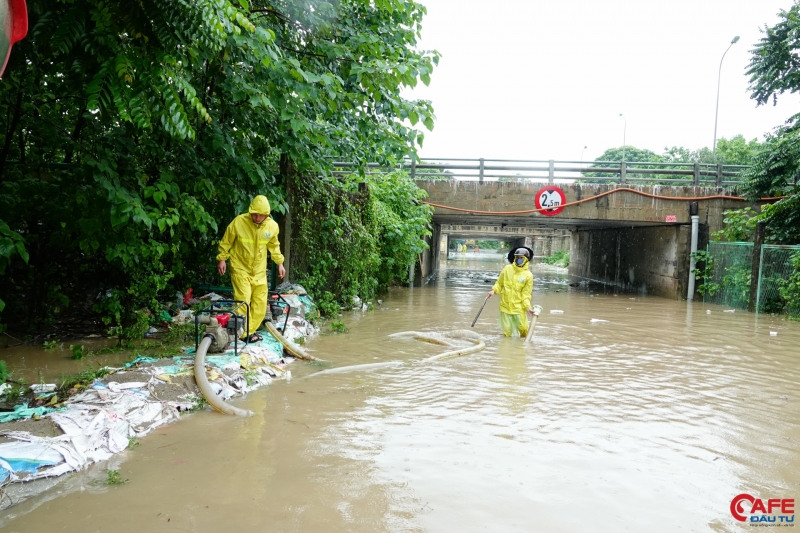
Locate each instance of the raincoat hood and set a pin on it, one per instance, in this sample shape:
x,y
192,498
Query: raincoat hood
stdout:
x,y
260,205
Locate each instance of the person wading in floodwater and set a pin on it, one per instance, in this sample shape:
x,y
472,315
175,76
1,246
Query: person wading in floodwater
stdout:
x,y
514,286
246,242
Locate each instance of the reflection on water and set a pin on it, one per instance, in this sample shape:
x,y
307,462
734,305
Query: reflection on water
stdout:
x,y
651,421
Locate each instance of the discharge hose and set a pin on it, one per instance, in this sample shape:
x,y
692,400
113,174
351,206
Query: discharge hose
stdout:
x,y
205,387
463,334
357,368
293,349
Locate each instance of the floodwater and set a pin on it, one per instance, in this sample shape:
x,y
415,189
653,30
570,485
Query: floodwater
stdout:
x,y
652,421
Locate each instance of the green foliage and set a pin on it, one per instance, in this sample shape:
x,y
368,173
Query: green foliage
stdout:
x,y
704,272
51,345
355,238
489,245
11,243
77,351
179,333
739,225
14,393
83,378
640,155
559,258
337,326
133,442
136,330
789,289
132,132
432,174
774,70
734,151
736,284
198,404
113,477
4,372
250,378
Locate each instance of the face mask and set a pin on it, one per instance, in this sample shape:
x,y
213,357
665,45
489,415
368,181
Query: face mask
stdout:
x,y
520,261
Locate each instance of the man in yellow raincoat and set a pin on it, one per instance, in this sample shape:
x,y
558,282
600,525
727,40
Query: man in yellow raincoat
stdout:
x,y
514,286
245,243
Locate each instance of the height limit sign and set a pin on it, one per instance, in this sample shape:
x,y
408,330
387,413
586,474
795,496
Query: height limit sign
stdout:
x,y
550,200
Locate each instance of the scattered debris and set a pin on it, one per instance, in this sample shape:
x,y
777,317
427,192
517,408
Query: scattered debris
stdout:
x,y
117,406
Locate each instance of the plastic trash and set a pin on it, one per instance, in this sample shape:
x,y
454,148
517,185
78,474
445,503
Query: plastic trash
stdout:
x,y
23,411
212,296
729,311
773,333
597,320
39,388
708,311
556,312
183,317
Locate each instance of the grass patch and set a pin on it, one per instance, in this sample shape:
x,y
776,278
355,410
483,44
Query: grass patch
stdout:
x,y
82,379
560,259
77,351
337,326
198,403
113,477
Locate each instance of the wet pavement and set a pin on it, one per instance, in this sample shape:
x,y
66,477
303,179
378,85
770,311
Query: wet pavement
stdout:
x,y
653,420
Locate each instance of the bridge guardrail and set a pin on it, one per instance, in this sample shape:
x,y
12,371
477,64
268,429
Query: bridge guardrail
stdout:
x,y
550,171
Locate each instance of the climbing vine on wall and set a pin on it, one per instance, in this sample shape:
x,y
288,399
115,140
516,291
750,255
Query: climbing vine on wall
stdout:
x,y
356,236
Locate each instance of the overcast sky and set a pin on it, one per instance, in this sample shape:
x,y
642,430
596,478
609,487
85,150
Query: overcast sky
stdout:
x,y
541,79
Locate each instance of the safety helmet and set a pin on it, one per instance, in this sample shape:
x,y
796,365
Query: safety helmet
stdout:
x,y
522,251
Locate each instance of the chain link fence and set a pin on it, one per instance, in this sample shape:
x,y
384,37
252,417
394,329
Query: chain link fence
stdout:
x,y
729,283
779,280
728,280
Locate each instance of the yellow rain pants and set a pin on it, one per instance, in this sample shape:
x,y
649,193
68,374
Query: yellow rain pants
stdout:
x,y
514,286
513,323
246,244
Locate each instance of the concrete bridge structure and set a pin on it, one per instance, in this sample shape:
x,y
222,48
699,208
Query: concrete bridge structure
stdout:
x,y
627,239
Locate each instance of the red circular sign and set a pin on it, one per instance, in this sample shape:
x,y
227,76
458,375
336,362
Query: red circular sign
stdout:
x,y
551,199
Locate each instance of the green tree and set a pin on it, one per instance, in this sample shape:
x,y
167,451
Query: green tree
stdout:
x,y
615,155
133,131
632,154
774,70
734,151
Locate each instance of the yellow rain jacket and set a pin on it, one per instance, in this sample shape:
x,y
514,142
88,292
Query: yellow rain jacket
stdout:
x,y
514,286
246,244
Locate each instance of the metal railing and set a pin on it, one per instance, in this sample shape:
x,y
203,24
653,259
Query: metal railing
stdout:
x,y
551,171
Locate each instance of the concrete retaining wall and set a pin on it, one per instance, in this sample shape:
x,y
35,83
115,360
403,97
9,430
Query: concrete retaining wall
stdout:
x,y
651,260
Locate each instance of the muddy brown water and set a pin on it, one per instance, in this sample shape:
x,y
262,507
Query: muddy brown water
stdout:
x,y
651,421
